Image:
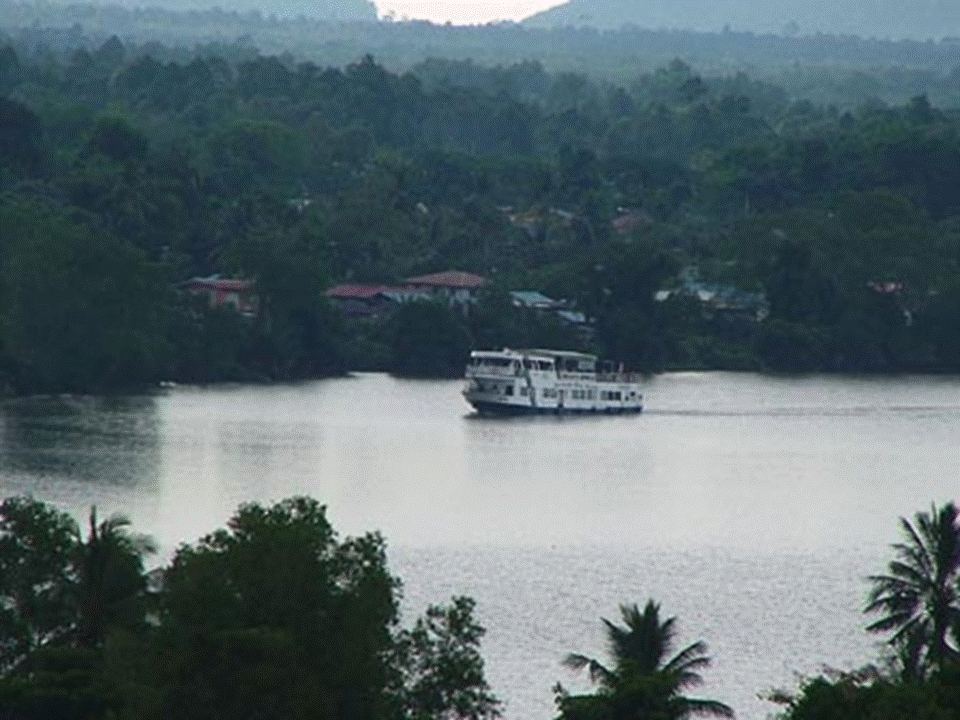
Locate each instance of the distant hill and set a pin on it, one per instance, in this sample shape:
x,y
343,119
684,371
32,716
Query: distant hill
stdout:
x,y
338,10
896,19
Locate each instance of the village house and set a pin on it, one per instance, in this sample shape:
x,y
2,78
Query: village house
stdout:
x,y
452,287
364,300
222,292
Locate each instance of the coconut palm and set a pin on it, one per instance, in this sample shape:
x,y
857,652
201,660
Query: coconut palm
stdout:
x,y
111,585
920,594
644,682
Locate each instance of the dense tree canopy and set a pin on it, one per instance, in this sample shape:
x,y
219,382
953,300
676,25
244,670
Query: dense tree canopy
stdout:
x,y
785,234
272,616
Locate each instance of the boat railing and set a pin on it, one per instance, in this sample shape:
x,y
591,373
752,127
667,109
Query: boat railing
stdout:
x,y
619,377
575,376
492,370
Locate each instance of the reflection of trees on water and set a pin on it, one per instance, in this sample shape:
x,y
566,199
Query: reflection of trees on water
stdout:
x,y
108,441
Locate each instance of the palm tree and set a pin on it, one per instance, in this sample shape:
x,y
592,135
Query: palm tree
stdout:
x,y
920,594
111,585
644,683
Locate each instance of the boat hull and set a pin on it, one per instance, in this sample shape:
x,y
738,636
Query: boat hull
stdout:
x,y
497,409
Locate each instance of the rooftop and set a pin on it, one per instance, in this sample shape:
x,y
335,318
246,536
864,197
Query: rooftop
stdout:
x,y
449,279
215,282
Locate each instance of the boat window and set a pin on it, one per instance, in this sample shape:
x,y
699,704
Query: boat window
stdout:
x,y
528,364
508,390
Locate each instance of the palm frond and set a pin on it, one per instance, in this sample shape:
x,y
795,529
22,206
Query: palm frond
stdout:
x,y
704,708
598,674
691,657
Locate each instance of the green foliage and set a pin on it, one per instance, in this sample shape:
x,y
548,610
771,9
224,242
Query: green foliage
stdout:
x,y
495,322
428,339
213,344
59,683
158,164
919,596
278,588
630,325
271,616
118,139
254,157
111,588
644,681
296,334
37,544
70,607
80,310
918,602
852,697
20,138
442,669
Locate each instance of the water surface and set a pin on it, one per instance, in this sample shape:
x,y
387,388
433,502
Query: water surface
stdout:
x,y
751,507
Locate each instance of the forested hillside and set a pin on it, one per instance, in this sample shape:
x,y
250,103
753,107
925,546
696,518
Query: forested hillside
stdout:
x,y
125,170
918,19
830,68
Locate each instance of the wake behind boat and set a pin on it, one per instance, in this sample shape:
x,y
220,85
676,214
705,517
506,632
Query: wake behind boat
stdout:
x,y
504,382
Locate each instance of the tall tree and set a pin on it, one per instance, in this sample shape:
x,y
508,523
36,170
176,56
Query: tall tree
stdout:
x,y
111,586
80,309
644,681
311,614
919,596
36,546
441,667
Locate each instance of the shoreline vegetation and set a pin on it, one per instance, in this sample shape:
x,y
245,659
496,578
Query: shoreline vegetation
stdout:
x,y
682,217
241,623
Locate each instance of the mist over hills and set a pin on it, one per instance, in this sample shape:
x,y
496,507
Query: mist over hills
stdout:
x,y
334,10
917,19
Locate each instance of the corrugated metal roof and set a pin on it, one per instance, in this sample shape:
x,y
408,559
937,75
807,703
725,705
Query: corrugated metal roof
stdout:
x,y
532,298
359,291
216,283
449,279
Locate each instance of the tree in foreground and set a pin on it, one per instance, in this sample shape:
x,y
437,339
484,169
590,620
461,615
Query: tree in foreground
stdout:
x,y
919,602
644,682
441,670
872,694
273,616
276,616
919,596
72,611
37,544
111,581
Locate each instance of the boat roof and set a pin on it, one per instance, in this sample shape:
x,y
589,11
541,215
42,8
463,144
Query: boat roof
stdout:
x,y
538,352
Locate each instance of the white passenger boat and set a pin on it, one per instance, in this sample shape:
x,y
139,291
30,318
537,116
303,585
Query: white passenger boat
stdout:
x,y
548,381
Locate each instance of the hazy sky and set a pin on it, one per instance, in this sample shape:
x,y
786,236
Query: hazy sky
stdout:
x,y
463,13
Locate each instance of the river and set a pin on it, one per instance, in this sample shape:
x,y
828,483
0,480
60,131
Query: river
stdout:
x,y
751,507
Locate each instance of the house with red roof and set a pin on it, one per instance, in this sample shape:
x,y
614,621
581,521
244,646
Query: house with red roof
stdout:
x,y
370,300
221,292
454,286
